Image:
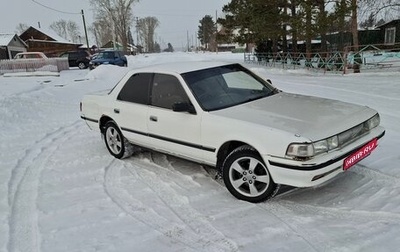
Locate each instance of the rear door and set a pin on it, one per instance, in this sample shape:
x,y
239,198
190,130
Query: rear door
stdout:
x,y
118,60
131,108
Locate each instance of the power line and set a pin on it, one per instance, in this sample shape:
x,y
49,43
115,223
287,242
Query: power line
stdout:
x,y
70,13
50,8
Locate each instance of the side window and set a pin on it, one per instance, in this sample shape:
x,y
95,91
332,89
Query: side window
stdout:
x,y
136,89
166,91
108,55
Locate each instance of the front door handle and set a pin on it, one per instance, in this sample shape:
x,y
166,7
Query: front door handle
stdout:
x,y
116,111
153,118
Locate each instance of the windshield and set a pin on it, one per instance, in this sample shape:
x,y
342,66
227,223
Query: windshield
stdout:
x,y
226,86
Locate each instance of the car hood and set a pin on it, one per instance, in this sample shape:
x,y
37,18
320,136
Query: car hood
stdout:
x,y
310,117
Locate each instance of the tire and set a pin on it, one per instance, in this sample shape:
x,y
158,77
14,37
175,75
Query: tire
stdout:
x,y
247,177
116,143
82,65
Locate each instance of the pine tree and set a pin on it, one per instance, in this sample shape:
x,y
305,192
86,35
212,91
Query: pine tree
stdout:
x,y
206,30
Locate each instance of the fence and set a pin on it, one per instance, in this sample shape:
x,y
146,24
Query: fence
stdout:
x,y
369,58
33,65
372,57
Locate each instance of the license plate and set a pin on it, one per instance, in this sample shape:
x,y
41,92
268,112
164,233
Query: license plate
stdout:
x,y
360,154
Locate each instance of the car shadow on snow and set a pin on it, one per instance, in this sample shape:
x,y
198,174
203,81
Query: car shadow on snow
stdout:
x,y
341,188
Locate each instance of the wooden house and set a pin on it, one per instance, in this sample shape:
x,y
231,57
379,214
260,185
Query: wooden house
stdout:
x,y
390,32
10,45
47,42
385,37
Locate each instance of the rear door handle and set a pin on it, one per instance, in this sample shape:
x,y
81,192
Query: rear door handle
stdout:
x,y
116,111
153,118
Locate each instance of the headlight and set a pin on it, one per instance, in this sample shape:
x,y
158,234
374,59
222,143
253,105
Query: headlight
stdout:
x,y
373,122
301,150
308,150
326,145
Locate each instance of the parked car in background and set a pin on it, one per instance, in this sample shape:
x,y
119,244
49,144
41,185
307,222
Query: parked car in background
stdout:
x,y
79,58
30,55
224,115
109,57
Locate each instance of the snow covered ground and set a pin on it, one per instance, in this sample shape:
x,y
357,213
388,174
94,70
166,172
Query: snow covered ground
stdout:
x,y
60,190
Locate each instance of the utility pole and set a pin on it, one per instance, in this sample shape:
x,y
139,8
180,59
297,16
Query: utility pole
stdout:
x,y
84,27
137,32
354,31
216,31
187,38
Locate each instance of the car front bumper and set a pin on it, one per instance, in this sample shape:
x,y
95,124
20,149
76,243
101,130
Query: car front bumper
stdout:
x,y
317,170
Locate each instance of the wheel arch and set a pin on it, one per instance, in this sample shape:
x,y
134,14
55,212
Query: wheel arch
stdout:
x,y
103,121
227,148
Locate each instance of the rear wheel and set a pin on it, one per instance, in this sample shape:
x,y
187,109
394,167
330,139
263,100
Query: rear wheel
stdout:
x,y
81,65
116,143
246,176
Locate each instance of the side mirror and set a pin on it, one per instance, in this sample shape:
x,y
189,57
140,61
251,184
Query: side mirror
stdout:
x,y
183,107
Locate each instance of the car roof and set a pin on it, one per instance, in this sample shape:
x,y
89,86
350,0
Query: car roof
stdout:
x,y
29,53
78,51
182,67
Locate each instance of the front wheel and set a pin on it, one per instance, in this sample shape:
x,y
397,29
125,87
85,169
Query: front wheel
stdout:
x,y
116,143
246,176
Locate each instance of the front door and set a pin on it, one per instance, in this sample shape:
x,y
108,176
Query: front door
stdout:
x,y
173,132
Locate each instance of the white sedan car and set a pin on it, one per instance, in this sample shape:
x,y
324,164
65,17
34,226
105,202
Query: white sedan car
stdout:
x,y
224,115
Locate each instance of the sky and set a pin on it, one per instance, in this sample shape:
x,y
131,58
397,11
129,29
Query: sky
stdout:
x,y
179,19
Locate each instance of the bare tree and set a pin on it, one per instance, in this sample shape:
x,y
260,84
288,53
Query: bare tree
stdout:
x,y
68,30
60,27
21,28
73,32
119,12
146,28
379,9
101,31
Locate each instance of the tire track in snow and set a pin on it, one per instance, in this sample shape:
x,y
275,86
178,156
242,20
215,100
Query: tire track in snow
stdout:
x,y
180,206
24,234
274,210
340,213
23,92
282,209
287,205
136,209
375,178
193,230
376,175
301,219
